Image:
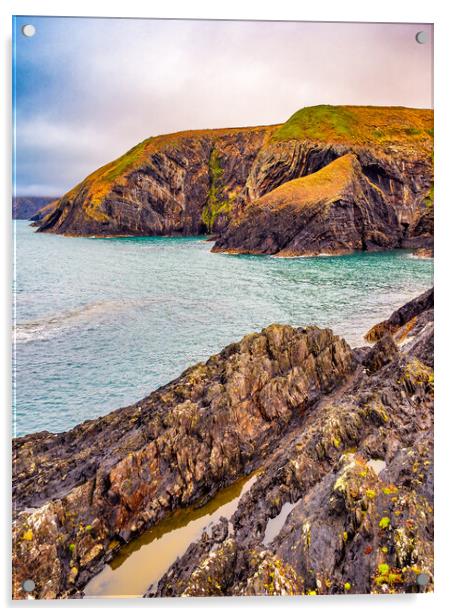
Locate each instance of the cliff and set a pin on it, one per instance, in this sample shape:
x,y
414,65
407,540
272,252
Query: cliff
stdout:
x,y
207,181
26,207
336,209
342,437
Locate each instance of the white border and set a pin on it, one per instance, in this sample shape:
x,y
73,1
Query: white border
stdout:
x,y
328,10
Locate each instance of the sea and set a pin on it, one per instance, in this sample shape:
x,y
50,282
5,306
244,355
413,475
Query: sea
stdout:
x,y
99,323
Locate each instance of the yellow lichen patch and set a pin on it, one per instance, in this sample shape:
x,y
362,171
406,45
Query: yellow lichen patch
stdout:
x,y
416,374
28,535
390,489
384,523
388,576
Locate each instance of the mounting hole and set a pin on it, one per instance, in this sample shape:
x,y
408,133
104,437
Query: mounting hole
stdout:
x,y
422,579
421,37
28,30
28,585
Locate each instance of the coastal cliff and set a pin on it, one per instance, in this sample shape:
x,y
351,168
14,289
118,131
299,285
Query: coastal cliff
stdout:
x,y
344,437
25,208
330,179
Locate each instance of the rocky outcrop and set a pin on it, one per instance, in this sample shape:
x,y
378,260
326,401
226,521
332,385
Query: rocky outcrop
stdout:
x,y
334,210
342,502
409,318
348,496
79,495
181,184
214,181
25,208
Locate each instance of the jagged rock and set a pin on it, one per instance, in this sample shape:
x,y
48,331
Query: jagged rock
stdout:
x,y
107,480
403,320
381,354
348,445
359,473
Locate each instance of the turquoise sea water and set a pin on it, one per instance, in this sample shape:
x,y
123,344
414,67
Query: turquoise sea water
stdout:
x,y
100,323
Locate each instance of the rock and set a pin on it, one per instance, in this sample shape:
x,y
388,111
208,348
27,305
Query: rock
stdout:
x,y
424,253
381,354
403,319
181,184
358,473
376,162
345,438
109,479
332,211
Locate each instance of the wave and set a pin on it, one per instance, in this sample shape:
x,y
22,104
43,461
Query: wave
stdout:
x,y
51,326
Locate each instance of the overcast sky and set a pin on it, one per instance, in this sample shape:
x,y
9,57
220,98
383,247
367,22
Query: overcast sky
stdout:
x,y
89,89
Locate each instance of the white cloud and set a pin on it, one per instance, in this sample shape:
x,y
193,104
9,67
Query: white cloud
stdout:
x,y
113,83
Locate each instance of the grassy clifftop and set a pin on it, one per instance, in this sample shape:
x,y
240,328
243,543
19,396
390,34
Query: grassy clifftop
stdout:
x,y
360,125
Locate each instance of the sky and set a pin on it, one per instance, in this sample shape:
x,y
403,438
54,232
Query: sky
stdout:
x,y
87,90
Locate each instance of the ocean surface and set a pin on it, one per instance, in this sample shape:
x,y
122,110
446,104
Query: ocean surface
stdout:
x,y
100,323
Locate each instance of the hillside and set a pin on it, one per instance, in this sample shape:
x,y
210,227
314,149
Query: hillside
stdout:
x,y
197,182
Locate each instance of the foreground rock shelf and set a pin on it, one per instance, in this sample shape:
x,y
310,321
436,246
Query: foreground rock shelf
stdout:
x,y
344,436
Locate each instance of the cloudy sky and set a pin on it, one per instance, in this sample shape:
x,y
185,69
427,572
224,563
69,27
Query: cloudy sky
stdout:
x,y
86,90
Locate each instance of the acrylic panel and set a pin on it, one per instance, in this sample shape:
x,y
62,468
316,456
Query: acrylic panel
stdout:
x,y
223,308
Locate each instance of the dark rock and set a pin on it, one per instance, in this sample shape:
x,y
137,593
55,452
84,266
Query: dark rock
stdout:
x,y
335,210
381,354
359,472
348,446
404,316
122,473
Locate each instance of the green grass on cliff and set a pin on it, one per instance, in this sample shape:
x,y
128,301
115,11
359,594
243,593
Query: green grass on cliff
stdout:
x,y
215,204
359,125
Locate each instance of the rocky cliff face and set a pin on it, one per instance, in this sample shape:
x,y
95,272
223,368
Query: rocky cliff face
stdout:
x,y
213,181
186,184
336,209
300,405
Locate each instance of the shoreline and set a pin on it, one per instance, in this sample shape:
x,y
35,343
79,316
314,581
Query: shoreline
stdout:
x,y
350,370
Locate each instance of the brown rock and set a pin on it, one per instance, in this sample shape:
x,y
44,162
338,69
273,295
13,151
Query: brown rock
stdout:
x,y
112,478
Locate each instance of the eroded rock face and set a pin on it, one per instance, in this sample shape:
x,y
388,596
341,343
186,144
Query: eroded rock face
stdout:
x,y
359,475
334,210
182,184
80,494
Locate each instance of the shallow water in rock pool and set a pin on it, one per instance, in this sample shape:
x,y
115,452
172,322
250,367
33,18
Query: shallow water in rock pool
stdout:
x,y
100,323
